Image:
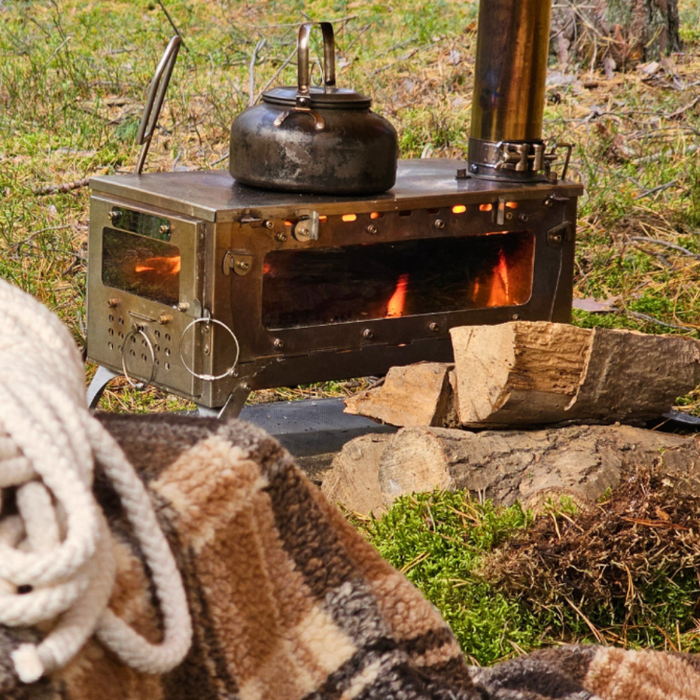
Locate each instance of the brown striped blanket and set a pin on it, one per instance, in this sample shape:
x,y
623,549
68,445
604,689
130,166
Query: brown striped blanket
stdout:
x,y
290,603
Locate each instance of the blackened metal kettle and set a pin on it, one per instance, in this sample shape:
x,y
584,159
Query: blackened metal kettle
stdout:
x,y
321,140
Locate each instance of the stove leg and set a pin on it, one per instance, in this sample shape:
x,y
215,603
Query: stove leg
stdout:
x,y
231,409
99,382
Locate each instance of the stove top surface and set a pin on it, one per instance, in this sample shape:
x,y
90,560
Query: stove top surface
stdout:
x,y
215,196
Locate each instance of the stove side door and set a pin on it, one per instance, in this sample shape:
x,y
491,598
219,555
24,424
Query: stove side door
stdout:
x,y
144,290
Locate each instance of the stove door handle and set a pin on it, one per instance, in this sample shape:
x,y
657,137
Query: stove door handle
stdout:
x,y
231,371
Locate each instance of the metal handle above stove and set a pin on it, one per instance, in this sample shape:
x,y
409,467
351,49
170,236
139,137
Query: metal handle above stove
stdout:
x,y
154,99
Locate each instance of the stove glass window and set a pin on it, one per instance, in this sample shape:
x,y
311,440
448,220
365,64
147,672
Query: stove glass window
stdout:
x,y
407,278
143,266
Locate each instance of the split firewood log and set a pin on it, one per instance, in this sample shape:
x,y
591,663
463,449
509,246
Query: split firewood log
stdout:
x,y
525,373
418,394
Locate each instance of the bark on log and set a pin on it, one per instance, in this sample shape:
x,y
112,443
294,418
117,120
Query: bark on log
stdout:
x,y
627,31
419,394
524,373
353,479
579,461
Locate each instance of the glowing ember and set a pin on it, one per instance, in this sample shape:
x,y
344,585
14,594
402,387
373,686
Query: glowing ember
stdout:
x,y
500,287
398,298
161,266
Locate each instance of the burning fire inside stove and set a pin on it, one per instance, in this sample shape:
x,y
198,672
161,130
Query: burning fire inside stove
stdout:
x,y
326,286
398,298
141,265
162,265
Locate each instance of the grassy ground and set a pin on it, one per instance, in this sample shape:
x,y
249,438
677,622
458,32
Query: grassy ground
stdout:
x,y
73,76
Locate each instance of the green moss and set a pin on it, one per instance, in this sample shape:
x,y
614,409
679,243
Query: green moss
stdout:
x,y
439,541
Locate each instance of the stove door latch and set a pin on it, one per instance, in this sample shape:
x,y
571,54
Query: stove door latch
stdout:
x,y
241,263
558,234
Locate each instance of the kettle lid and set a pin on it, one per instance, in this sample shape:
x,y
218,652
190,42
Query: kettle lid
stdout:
x,y
320,98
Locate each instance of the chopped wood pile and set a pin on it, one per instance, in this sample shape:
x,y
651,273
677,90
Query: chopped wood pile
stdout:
x,y
527,410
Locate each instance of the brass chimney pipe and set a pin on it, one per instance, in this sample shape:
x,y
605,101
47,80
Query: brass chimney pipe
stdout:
x,y
509,90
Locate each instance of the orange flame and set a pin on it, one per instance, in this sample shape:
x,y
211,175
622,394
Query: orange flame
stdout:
x,y
398,298
500,287
161,265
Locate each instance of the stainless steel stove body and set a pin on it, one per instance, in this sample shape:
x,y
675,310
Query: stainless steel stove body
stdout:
x,y
209,289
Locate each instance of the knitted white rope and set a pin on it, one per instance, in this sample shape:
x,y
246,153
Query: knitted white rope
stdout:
x,y
56,551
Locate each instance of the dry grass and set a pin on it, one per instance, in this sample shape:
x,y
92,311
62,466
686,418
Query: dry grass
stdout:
x,y
73,76
628,568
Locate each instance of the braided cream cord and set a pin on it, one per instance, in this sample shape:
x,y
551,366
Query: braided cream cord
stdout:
x,y
56,550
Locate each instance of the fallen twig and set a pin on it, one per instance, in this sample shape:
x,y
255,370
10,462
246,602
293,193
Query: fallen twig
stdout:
x,y
251,71
680,249
660,188
66,187
277,72
220,160
16,246
393,63
645,317
296,24
679,112
172,24
596,632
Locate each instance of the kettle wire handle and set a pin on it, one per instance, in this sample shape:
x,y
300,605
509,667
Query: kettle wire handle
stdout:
x,y
303,100
154,99
304,73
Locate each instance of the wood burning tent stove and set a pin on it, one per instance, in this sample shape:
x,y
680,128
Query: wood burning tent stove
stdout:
x,y
209,289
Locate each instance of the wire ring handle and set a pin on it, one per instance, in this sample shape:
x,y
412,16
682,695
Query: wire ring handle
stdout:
x,y
138,330
210,377
303,73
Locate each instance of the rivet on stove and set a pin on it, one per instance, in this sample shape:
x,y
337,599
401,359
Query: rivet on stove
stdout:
x,y
516,317
164,318
439,223
524,218
112,303
278,343
164,229
183,306
243,265
368,334
434,327
372,229
509,216
281,237
269,224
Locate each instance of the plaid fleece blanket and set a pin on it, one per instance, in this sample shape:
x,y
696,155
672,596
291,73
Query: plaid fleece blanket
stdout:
x,y
289,602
